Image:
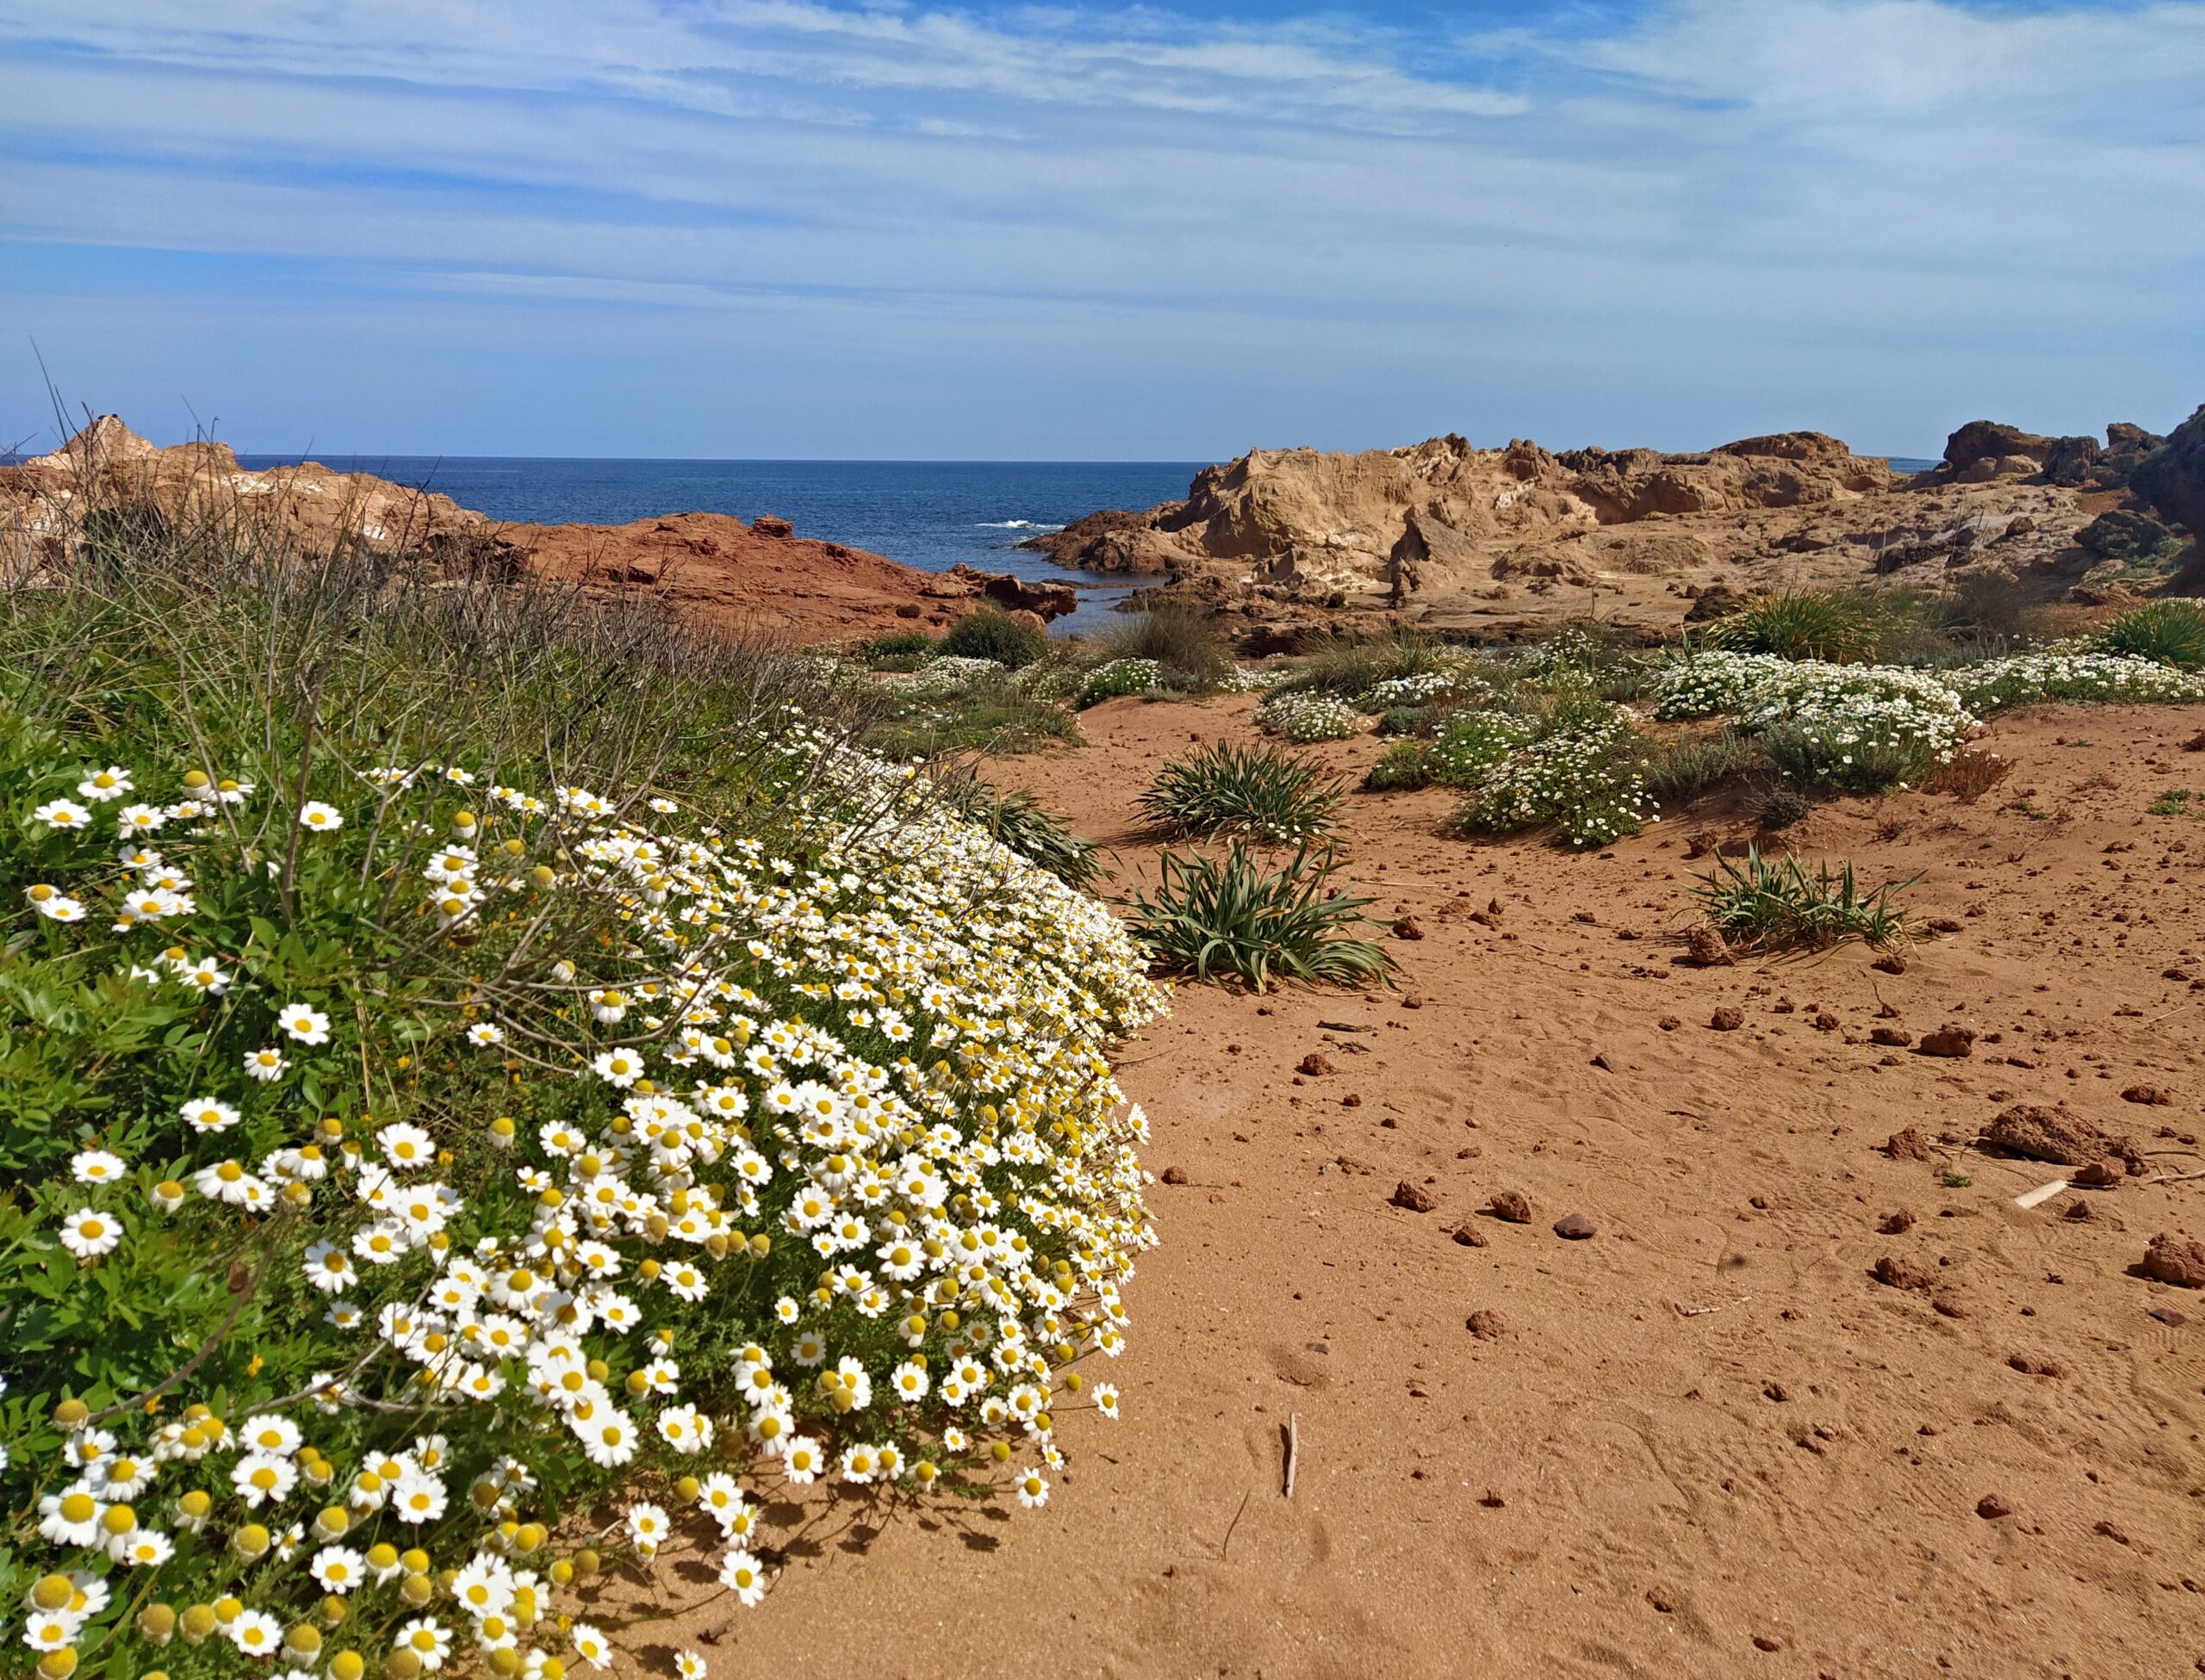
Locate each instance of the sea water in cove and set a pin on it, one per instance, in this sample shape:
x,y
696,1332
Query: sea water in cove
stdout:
x,y
928,514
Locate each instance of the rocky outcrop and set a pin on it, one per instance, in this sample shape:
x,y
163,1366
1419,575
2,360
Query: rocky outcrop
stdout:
x,y
1500,542
2172,479
108,466
707,566
1336,520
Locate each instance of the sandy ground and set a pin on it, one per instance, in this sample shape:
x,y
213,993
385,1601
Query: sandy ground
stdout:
x,y
1706,1441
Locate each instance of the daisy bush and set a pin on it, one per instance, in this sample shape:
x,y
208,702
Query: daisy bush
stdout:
x,y
1119,676
1857,726
2072,674
1584,777
489,1087
1304,715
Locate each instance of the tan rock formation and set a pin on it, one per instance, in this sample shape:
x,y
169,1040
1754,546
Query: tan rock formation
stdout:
x,y
1500,542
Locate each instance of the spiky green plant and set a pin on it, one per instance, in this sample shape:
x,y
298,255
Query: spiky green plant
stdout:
x,y
1800,624
1211,917
2166,632
1021,822
1259,791
1779,904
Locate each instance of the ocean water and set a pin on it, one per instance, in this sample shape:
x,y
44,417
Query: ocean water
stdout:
x,y
928,514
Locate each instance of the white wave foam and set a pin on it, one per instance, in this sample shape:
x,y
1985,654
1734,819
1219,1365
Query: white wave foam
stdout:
x,y
1016,524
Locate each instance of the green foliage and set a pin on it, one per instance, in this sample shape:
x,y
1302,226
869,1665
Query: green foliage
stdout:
x,y
1259,791
894,650
1469,744
995,635
2167,632
2175,801
1211,917
1691,765
1765,904
1404,765
1801,624
1404,720
1349,665
1582,774
1118,679
510,853
1189,653
1021,822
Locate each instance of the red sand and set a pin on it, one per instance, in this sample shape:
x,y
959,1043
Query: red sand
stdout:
x,y
1706,1441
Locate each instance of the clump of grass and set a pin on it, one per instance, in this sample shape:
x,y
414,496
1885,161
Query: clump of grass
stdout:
x,y
1188,652
1259,791
1213,917
2166,632
1801,624
1351,664
1969,774
988,634
1779,904
1687,767
990,717
1405,765
2175,801
895,650
1021,822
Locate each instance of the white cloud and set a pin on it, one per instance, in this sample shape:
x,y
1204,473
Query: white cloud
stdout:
x,y
1854,197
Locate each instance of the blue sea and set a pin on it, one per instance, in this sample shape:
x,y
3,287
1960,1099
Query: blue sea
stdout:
x,y
929,514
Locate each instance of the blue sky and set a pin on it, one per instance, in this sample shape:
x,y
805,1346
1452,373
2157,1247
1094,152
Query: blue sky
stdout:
x,y
913,228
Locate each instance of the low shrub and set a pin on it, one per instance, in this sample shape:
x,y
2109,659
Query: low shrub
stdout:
x,y
1801,624
1117,678
1303,716
2165,632
1211,917
1684,768
1469,744
2070,675
895,650
1777,904
995,635
1256,791
1584,776
1405,765
468,1055
1781,805
1404,720
1861,729
1969,774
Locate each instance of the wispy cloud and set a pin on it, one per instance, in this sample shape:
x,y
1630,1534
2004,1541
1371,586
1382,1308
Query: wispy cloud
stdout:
x,y
1117,227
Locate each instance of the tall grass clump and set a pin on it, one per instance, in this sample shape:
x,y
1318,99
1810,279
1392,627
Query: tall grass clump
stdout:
x,y
1777,904
1180,641
1211,917
1801,624
1257,791
1348,666
476,1056
990,635
2165,632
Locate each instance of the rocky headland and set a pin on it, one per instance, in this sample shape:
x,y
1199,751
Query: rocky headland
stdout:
x,y
709,567
1497,542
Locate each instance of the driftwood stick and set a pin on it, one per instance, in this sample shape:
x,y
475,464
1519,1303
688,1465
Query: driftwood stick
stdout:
x,y
1293,1449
